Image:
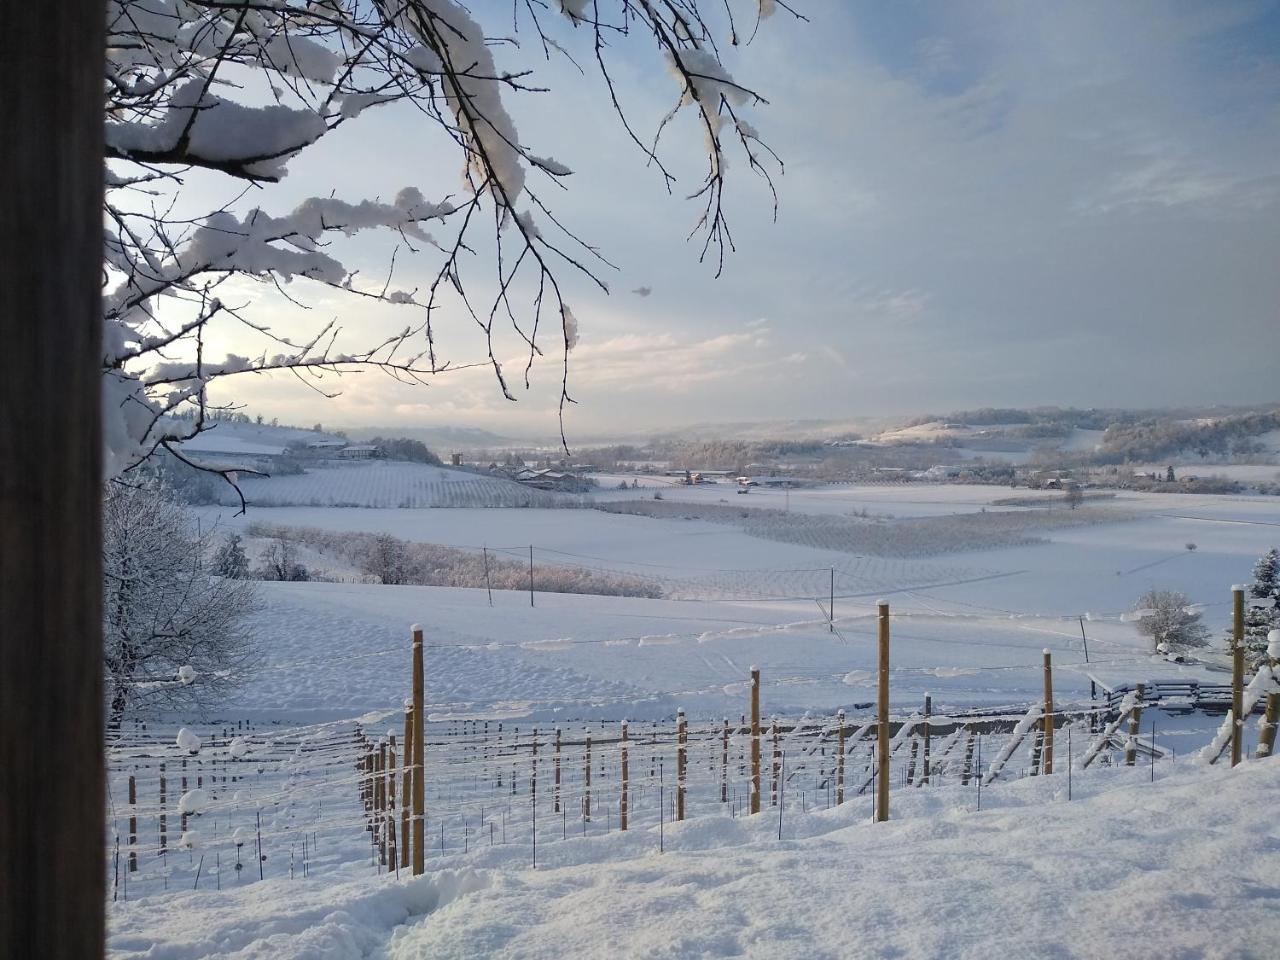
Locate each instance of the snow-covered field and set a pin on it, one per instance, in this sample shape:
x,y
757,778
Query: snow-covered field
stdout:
x,y
384,483
1125,866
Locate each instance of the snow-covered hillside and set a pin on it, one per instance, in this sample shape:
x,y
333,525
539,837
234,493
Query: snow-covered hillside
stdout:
x,y
384,483
1124,868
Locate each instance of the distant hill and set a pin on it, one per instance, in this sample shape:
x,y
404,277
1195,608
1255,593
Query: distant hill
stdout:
x,y
443,440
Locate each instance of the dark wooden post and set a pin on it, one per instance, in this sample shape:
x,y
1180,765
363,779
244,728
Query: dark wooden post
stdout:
x,y
682,760
1237,674
626,770
556,766
755,739
133,824
882,716
406,787
924,734
1135,724
419,756
1046,751
724,762
51,482
840,759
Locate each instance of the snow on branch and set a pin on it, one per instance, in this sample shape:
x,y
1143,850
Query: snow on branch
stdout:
x,y
237,89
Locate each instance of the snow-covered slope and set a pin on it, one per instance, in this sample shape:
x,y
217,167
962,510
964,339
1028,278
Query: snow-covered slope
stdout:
x,y
1126,868
384,483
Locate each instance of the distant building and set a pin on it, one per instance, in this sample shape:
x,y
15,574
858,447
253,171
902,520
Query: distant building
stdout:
x,y
358,451
326,444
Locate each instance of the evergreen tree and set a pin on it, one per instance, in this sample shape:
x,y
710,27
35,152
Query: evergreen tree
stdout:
x,y
1262,606
1266,575
230,561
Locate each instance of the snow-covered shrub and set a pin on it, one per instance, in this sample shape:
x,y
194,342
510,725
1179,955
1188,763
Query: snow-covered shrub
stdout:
x,y
1168,619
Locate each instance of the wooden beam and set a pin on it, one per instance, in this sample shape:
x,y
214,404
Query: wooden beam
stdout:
x,y
51,165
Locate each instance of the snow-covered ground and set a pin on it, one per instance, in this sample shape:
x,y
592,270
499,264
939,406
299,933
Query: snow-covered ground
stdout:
x,y
1175,868
1125,866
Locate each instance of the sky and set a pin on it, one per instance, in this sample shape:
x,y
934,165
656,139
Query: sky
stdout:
x,y
983,204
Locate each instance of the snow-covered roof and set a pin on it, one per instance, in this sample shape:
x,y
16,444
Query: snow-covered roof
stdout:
x,y
214,441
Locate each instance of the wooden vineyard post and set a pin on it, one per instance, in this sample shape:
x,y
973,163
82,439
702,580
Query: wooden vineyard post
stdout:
x,y
773,780
682,759
164,842
557,771
419,753
724,762
1267,732
1237,673
380,793
755,739
967,770
586,780
626,775
1046,755
133,824
182,815
406,785
924,733
1135,721
882,715
391,800
840,758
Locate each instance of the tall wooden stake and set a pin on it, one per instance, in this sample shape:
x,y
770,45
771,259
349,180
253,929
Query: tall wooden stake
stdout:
x,y
557,771
681,761
882,716
1135,724
773,780
531,575
626,773
419,759
380,801
924,734
391,805
586,781
406,787
840,759
133,824
1267,732
724,762
1046,755
1237,673
755,739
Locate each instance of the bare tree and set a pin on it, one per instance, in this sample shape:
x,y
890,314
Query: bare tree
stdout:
x,y
234,89
174,634
280,562
388,559
1170,621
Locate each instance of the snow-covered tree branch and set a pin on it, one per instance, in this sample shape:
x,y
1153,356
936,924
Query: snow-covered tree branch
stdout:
x,y
174,632
233,90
